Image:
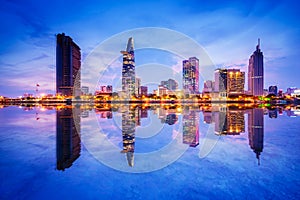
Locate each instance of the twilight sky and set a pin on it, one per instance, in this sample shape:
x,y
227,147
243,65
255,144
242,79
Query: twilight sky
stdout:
x,y
228,31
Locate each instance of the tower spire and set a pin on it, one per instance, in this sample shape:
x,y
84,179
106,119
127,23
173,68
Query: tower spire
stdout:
x,y
130,46
258,44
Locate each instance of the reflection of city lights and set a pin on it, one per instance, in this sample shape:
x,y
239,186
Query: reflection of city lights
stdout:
x,y
179,109
297,113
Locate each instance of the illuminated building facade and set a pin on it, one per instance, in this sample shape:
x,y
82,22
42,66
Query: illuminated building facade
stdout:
x,y
229,121
235,122
128,133
190,122
67,137
228,81
68,62
190,74
256,72
128,70
235,81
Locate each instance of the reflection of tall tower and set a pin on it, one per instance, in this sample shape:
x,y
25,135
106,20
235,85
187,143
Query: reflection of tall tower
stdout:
x,y
68,61
273,113
67,137
128,71
256,130
128,133
220,85
190,122
256,72
171,119
220,120
235,122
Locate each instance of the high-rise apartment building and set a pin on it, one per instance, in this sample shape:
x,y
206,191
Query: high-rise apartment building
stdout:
x,y
190,74
235,81
170,84
229,81
221,82
68,62
256,72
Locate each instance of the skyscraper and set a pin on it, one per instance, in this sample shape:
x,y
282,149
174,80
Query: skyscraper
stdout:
x,y
221,82
235,81
68,62
170,84
256,72
190,74
128,71
229,81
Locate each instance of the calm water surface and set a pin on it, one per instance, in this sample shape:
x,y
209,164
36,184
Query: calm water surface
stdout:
x,y
129,152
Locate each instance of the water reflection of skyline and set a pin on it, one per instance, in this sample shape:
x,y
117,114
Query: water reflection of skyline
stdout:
x,y
227,120
68,145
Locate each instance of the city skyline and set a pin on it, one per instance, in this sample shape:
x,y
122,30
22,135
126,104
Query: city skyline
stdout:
x,y
227,82
222,28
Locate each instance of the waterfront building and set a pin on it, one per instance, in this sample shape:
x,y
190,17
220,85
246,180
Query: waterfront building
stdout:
x,y
128,70
273,90
170,84
256,72
191,75
235,81
68,63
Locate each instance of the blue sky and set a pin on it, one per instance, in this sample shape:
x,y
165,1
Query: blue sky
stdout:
x,y
227,30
